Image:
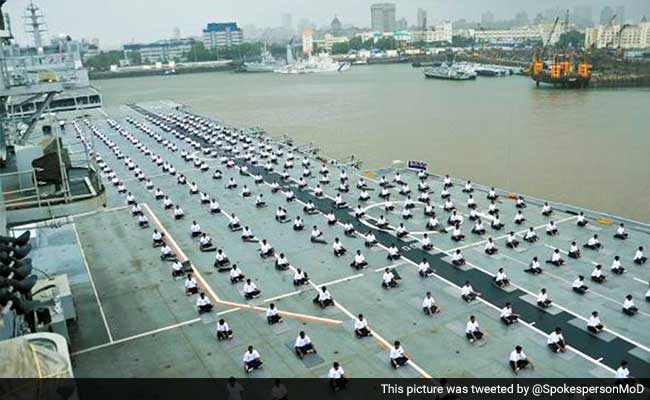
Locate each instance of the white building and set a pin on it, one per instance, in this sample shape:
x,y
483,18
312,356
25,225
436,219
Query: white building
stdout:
x,y
632,37
225,34
514,35
161,51
437,33
328,41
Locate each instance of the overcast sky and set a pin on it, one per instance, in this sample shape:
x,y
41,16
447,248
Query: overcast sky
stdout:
x,y
118,21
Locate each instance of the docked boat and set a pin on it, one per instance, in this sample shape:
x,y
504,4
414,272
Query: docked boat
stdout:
x,y
315,64
449,72
267,63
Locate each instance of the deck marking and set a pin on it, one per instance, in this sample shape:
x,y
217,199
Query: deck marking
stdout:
x,y
138,336
284,313
177,250
92,283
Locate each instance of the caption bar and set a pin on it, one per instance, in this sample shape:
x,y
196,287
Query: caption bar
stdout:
x,y
523,390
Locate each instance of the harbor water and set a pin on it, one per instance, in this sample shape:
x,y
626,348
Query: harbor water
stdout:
x,y
584,147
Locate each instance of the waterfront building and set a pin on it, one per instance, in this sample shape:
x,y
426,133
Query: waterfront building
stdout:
x,y
631,37
162,50
437,33
222,34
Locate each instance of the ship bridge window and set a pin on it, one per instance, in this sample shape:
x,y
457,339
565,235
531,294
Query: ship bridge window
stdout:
x,y
94,99
63,103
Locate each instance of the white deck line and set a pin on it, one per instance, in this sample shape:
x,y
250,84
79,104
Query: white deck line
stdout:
x,y
296,292
134,337
92,284
640,280
554,304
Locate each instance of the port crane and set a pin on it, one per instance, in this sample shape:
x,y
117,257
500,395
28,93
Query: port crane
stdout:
x,y
561,71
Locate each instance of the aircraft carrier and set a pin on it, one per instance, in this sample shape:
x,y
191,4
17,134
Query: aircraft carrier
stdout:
x,y
133,319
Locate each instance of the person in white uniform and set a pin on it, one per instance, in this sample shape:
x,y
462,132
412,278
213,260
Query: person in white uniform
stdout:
x,y
389,280
303,345
473,330
250,290
398,357
507,316
501,279
203,304
628,306
429,305
579,286
593,324
518,360
543,300
252,360
639,258
467,292
300,277
597,274
359,261
223,330
337,378
323,298
556,342
273,315
361,327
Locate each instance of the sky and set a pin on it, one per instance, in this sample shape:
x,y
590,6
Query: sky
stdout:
x,y
114,22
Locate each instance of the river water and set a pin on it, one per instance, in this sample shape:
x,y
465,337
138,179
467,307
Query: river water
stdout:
x,y
585,147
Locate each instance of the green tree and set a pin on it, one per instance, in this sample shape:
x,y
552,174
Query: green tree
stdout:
x,y
105,59
356,43
572,39
340,48
461,41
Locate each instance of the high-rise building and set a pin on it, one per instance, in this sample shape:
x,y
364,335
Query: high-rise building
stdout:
x,y
605,15
620,15
382,17
222,34
582,16
176,33
422,19
487,18
402,24
521,19
287,22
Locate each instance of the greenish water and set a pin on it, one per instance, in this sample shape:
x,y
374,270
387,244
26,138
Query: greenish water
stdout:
x,y
588,148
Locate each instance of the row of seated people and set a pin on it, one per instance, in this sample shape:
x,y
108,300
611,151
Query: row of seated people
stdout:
x,y
547,231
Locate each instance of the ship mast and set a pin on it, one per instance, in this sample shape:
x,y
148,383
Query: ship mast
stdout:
x,y
35,24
